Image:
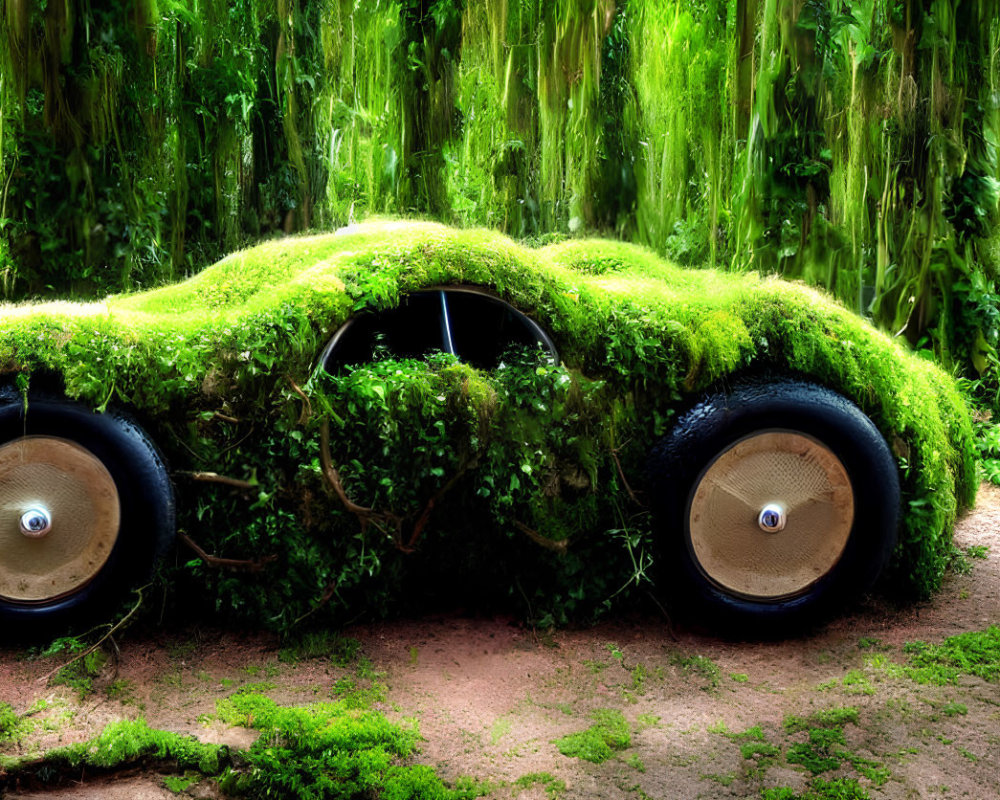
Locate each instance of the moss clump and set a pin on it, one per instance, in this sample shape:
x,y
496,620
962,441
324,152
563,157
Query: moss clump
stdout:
x,y
972,653
328,750
599,742
119,744
211,366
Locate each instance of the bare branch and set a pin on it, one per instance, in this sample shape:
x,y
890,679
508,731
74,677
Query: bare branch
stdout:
x,y
621,474
244,564
111,631
307,411
559,546
212,477
331,474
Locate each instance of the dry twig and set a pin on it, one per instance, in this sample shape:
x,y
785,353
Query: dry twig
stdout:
x,y
96,645
213,477
307,411
625,483
244,564
559,546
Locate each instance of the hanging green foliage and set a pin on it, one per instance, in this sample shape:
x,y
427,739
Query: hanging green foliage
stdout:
x,y
850,143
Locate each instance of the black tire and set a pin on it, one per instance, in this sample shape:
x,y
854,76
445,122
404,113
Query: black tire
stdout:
x,y
106,460
727,564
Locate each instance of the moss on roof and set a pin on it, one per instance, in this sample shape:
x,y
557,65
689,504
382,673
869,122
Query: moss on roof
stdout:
x,y
651,331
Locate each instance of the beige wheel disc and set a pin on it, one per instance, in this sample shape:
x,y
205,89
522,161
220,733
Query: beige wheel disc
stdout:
x,y
771,515
59,516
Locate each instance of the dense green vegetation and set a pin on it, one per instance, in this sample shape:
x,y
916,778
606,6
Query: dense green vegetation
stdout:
x,y
852,143
542,461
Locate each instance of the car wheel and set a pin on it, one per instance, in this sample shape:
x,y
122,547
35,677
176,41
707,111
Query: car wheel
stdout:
x,y
86,509
778,504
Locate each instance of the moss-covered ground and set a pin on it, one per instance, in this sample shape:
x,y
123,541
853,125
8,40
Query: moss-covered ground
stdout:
x,y
888,703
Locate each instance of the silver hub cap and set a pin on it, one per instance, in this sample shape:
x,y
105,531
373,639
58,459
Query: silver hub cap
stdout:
x,y
35,522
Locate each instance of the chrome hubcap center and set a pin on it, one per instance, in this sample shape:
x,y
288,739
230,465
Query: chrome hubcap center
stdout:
x,y
36,522
772,518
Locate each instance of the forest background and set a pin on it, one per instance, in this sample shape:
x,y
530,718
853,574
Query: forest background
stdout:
x,y
849,143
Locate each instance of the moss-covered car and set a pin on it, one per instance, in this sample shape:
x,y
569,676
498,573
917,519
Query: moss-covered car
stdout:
x,y
373,416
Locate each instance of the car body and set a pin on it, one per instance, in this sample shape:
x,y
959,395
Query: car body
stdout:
x,y
325,457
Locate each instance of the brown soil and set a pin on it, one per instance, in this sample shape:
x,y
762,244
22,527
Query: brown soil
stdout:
x,y
491,697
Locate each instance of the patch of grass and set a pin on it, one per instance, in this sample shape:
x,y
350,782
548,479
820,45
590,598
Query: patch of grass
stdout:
x,y
635,762
644,721
341,650
258,686
355,695
953,709
257,670
500,728
872,770
120,690
739,677
79,675
11,725
600,741
837,717
973,653
825,718
119,744
639,675
552,785
723,780
817,755
180,783
819,789
960,561
856,682
968,754
700,666
329,750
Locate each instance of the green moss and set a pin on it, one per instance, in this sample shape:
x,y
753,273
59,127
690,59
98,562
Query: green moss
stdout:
x,y
972,653
636,336
126,742
820,789
329,750
599,742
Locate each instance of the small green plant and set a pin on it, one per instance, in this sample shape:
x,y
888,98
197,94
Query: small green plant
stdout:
x,y
723,780
553,786
635,762
817,755
701,666
80,673
968,754
955,709
739,677
598,742
178,784
500,728
856,682
342,651
819,789
644,721
10,723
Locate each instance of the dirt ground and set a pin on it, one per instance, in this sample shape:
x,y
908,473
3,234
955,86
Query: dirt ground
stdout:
x,y
492,698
